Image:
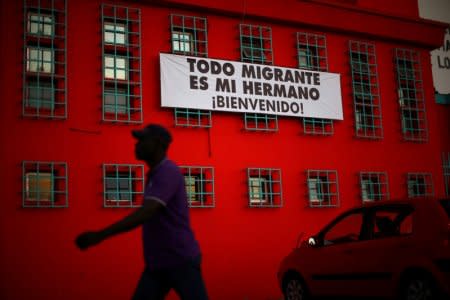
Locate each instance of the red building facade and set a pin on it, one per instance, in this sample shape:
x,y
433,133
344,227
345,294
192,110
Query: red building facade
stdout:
x,y
78,76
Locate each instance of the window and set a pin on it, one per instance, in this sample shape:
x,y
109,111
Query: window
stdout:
x,y
446,171
116,67
260,122
114,33
316,126
374,186
185,117
256,44
121,82
411,95
40,60
256,47
44,184
264,187
366,98
40,24
44,59
40,95
199,182
322,188
346,230
123,185
189,37
312,55
420,185
392,221
182,42
116,101
311,52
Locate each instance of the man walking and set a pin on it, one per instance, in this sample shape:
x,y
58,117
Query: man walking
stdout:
x,y
171,252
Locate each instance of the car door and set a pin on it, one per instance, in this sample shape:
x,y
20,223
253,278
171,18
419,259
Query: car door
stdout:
x,y
331,265
390,246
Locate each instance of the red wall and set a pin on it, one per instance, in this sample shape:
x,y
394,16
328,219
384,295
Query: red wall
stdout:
x,y
241,246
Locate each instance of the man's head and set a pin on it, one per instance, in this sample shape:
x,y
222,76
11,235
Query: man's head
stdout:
x,y
152,142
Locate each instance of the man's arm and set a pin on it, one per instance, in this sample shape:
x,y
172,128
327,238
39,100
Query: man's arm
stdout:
x,y
133,220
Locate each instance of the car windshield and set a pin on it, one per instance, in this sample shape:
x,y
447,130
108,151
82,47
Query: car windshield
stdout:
x,y
446,205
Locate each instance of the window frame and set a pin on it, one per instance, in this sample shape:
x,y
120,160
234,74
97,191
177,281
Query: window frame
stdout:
x,y
133,174
114,32
411,97
261,36
365,90
420,185
203,195
56,173
40,60
269,188
40,102
373,186
116,107
323,184
40,23
114,67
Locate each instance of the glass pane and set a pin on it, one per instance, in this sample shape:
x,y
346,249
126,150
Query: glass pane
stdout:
x,y
39,186
48,29
124,184
110,184
109,37
120,74
345,230
120,63
120,38
109,73
109,62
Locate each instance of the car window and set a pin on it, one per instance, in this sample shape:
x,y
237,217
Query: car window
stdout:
x,y
445,203
393,221
345,230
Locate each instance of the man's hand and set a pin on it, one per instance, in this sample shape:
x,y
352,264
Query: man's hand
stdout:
x,y
88,239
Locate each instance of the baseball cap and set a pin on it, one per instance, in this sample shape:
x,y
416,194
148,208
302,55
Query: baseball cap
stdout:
x,y
153,130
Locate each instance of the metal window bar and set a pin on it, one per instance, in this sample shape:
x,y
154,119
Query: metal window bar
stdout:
x,y
185,117
411,95
316,126
123,185
189,36
446,171
264,187
420,185
374,186
44,76
260,122
323,188
312,52
312,55
121,64
256,47
366,95
44,184
199,181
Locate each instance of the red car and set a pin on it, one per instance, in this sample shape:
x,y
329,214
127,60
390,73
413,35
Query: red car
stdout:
x,y
393,249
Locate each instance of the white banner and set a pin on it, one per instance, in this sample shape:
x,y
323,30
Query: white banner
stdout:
x,y
220,85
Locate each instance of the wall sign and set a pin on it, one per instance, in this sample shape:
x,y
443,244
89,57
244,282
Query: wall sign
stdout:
x,y
440,61
220,85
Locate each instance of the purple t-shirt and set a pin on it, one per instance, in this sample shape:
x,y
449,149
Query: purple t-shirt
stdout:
x,y
168,238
